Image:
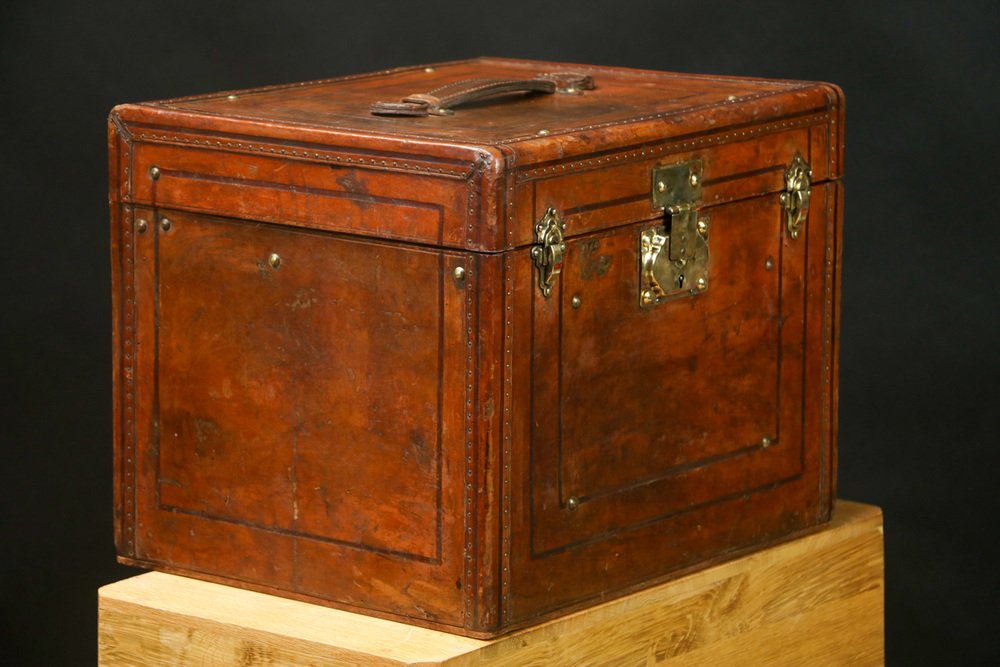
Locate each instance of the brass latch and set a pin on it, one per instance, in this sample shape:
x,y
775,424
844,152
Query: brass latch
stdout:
x,y
674,257
550,249
795,198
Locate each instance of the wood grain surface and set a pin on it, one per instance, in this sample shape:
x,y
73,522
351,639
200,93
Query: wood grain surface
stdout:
x,y
815,600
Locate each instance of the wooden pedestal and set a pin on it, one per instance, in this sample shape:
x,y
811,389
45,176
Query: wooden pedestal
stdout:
x,y
815,600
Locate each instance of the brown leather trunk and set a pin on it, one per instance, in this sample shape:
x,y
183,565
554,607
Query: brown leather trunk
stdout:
x,y
470,365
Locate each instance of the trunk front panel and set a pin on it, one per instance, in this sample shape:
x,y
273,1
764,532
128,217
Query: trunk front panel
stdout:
x,y
658,437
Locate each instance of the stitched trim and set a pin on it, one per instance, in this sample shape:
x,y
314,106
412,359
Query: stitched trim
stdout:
x,y
668,147
125,157
829,319
129,353
505,532
656,116
323,155
470,559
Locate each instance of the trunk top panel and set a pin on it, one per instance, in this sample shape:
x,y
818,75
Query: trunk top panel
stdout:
x,y
669,104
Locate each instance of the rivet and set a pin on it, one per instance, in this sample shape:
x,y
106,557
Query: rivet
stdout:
x,y
702,283
428,69
730,98
572,503
661,186
154,173
274,259
459,273
542,133
576,301
165,224
232,97
693,178
141,226
768,263
703,227
765,442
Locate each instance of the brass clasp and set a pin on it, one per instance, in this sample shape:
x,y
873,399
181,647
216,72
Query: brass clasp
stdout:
x,y
795,198
550,249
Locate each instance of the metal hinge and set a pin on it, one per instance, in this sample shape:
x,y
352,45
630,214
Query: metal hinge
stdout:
x,y
550,250
795,198
674,256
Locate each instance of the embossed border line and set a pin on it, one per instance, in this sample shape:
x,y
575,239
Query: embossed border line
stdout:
x,y
603,536
288,532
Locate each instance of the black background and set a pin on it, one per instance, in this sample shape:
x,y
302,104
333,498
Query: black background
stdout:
x,y
919,360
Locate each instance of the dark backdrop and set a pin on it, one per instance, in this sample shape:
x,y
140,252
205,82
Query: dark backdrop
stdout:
x,y
918,421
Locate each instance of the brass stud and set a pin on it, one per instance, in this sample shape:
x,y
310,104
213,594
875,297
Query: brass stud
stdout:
x,y
165,224
693,179
765,442
661,186
702,283
730,98
703,227
768,263
572,503
274,259
141,225
542,133
154,173
459,273
232,97
428,69
576,301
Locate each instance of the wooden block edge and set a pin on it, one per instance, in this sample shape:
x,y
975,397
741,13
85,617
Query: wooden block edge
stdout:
x,y
850,521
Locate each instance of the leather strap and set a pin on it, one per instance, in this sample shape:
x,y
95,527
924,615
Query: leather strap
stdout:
x,y
441,101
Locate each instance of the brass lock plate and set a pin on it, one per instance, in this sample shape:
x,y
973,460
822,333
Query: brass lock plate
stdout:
x,y
674,258
677,184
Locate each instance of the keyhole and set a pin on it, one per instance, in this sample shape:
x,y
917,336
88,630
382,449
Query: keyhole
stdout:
x,y
680,281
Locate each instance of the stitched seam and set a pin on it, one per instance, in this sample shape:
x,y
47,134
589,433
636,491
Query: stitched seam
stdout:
x,y
639,119
329,155
668,145
493,85
459,84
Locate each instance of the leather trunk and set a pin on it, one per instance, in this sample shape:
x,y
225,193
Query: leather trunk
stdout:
x,y
480,365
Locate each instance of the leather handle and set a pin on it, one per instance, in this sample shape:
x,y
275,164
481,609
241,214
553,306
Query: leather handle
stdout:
x,y
441,101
